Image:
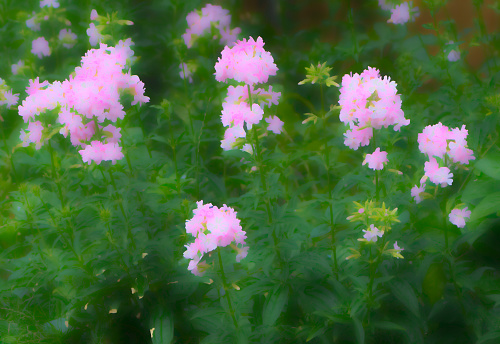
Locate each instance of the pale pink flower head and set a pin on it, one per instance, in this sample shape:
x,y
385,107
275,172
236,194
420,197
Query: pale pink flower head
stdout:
x,y
93,15
275,124
246,61
376,160
94,34
372,234
10,99
67,37
17,66
40,47
453,55
458,216
384,5
98,151
416,191
436,174
30,23
185,71
49,3
371,102
402,13
34,134
433,140
213,227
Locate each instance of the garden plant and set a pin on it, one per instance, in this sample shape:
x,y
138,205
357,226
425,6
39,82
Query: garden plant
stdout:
x,y
281,171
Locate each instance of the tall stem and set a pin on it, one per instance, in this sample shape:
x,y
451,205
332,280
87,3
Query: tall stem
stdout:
x,y
129,231
330,206
262,175
226,289
54,174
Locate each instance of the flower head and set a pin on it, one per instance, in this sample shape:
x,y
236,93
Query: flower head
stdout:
x,y
376,160
402,13
458,216
40,47
67,37
213,227
246,61
372,233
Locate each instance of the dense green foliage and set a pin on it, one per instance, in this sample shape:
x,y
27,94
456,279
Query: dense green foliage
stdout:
x,y
94,253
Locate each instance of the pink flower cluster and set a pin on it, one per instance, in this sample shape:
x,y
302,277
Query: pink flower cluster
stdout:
x,y
213,227
200,23
450,146
91,93
247,62
236,112
369,102
6,96
40,47
401,13
376,160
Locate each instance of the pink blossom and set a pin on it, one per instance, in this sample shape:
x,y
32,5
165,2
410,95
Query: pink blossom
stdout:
x,y
275,124
417,190
246,61
40,47
185,72
231,135
368,101
16,67
93,15
34,134
376,160
372,233
49,3
213,227
458,216
10,99
98,151
402,13
436,174
30,23
94,34
67,37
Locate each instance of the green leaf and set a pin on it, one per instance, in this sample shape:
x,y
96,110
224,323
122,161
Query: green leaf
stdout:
x,y
359,331
489,205
434,282
490,165
274,305
488,338
163,324
405,294
388,325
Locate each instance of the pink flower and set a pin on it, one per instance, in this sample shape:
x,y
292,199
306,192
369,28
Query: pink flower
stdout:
x,y
40,47
246,61
67,37
185,71
10,99
398,250
436,174
16,67
213,227
402,13
32,24
376,160
49,3
275,124
416,191
372,233
201,24
94,34
370,102
98,151
433,140
93,15
458,216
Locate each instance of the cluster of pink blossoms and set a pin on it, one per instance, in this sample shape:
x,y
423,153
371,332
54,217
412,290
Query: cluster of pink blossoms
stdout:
x,y
246,62
6,96
201,22
369,102
91,93
401,13
213,227
450,146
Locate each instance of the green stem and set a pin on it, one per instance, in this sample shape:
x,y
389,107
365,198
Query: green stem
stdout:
x,y
226,289
129,230
262,176
54,174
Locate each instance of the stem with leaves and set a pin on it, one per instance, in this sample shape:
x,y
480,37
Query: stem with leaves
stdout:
x,y
226,289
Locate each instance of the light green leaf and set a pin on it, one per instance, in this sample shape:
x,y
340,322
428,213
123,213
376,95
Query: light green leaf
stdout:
x,y
274,305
